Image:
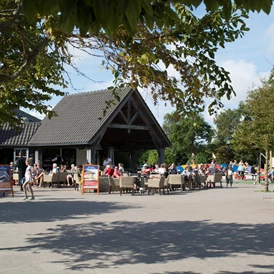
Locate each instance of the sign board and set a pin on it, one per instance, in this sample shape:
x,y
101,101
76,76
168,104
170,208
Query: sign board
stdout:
x,y
91,178
5,180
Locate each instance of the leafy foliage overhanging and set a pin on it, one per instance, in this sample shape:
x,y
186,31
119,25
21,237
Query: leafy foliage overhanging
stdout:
x,y
140,41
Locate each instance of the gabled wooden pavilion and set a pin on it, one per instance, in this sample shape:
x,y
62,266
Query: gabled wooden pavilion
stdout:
x,y
81,128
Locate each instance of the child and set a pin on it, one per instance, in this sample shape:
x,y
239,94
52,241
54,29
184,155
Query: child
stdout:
x,y
28,181
229,176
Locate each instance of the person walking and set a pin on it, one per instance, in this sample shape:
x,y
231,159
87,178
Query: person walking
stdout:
x,y
21,165
28,180
229,176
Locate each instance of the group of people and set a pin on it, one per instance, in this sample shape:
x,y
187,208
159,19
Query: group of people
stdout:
x,y
189,172
30,174
114,171
70,172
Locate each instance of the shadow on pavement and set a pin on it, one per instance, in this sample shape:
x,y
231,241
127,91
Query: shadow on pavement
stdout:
x,y
55,210
96,245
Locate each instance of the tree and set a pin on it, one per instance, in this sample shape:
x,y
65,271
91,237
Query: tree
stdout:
x,y
139,40
256,131
187,135
93,16
31,63
226,124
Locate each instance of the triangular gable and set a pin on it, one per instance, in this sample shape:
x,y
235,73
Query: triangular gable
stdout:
x,y
80,121
132,122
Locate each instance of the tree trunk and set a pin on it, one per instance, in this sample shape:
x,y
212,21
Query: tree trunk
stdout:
x,y
266,172
259,169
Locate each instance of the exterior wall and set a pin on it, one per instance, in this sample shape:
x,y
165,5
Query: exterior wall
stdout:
x,y
81,156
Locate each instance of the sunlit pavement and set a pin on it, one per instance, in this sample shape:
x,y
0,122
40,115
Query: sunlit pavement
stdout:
x,y
221,230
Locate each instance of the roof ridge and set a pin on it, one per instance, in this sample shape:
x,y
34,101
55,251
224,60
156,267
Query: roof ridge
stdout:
x,y
97,91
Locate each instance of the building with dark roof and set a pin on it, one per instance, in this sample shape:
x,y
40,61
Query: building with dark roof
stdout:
x,y
13,141
82,132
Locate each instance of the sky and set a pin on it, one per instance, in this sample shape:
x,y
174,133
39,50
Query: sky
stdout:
x,y
248,59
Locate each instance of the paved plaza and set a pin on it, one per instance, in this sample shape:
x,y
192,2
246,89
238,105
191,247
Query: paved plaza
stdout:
x,y
221,230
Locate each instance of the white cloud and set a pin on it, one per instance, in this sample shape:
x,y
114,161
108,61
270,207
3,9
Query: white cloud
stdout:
x,y
244,76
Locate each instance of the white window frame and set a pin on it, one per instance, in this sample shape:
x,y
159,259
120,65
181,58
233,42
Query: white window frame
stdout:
x,y
16,152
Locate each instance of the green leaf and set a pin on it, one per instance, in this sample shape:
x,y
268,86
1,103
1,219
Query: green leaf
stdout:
x,y
29,9
146,5
83,17
68,16
190,3
211,5
133,12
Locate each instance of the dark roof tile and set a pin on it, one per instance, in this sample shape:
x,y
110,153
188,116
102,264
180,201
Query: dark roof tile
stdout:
x,y
11,137
75,115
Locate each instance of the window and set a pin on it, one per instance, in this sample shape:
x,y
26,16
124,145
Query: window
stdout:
x,y
24,151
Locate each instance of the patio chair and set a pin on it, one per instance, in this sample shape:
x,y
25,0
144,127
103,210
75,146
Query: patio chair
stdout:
x,y
62,179
213,179
51,180
77,182
126,183
158,184
203,180
16,178
114,184
175,180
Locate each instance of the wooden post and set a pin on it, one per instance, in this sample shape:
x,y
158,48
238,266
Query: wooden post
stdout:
x,y
266,171
270,160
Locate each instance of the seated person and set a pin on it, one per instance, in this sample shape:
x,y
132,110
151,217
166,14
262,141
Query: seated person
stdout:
x,y
62,168
145,169
39,176
11,171
121,168
156,169
54,169
34,174
109,170
201,170
116,173
72,171
163,171
188,174
172,169
79,174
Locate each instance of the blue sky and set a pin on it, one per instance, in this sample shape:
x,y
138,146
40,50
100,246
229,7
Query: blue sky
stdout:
x,y
247,59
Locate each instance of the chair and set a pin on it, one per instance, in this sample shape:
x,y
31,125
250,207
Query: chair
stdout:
x,y
216,178
126,183
203,179
62,179
16,178
114,184
158,184
51,179
198,179
175,180
77,182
